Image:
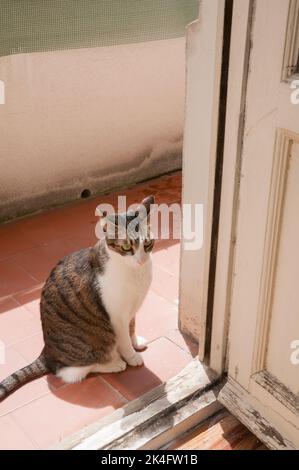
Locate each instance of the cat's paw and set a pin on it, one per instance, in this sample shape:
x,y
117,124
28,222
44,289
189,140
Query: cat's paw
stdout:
x,y
139,343
135,360
118,365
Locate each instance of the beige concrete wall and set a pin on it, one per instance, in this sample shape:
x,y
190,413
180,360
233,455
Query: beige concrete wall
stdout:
x,y
88,118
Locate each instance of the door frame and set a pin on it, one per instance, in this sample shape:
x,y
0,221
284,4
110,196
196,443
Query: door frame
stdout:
x,y
204,45
243,12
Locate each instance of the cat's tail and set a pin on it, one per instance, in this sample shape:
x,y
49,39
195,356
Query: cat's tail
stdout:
x,y
22,376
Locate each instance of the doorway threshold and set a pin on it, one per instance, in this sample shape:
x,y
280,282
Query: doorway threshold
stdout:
x,y
157,417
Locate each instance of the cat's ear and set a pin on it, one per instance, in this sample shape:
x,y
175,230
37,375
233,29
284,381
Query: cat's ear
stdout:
x,y
148,202
107,221
103,219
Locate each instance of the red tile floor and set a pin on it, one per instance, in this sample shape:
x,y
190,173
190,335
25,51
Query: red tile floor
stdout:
x,y
46,410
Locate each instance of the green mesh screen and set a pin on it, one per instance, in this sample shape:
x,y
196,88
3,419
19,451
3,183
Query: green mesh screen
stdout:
x,y
45,25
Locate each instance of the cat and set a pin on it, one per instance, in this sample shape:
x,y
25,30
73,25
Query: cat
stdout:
x,y
89,302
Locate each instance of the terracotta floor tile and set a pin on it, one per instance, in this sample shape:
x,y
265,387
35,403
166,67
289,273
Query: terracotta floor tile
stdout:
x,y
165,284
13,362
48,227
62,223
84,237
78,213
30,299
156,317
83,240
39,261
49,419
174,181
13,239
12,436
162,360
109,198
84,223
163,245
8,303
168,259
24,395
13,278
30,348
18,323
183,341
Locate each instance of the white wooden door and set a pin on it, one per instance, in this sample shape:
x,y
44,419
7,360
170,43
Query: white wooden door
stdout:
x,y
263,383
203,62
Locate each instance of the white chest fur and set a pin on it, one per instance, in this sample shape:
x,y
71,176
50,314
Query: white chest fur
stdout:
x,y
124,287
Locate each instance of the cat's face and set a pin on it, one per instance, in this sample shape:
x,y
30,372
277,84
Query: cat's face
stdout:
x,y
128,234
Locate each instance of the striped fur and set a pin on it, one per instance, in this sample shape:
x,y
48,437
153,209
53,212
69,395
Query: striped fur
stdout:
x,y
21,377
76,326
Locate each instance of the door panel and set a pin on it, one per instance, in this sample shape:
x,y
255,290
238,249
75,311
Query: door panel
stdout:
x,y
263,382
284,325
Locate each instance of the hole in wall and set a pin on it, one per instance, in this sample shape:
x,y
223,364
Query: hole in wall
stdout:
x,y
85,193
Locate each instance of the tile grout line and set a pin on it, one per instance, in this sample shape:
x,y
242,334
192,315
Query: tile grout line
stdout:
x,y
39,245
19,425
22,291
156,265
18,407
11,259
172,302
178,345
25,271
13,344
102,379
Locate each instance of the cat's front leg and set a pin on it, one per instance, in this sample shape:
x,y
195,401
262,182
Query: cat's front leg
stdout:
x,y
138,342
125,346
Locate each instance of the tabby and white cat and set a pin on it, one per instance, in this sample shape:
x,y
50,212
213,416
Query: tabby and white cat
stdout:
x,y
88,306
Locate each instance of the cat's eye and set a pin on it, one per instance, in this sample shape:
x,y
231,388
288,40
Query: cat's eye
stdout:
x,y
126,247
